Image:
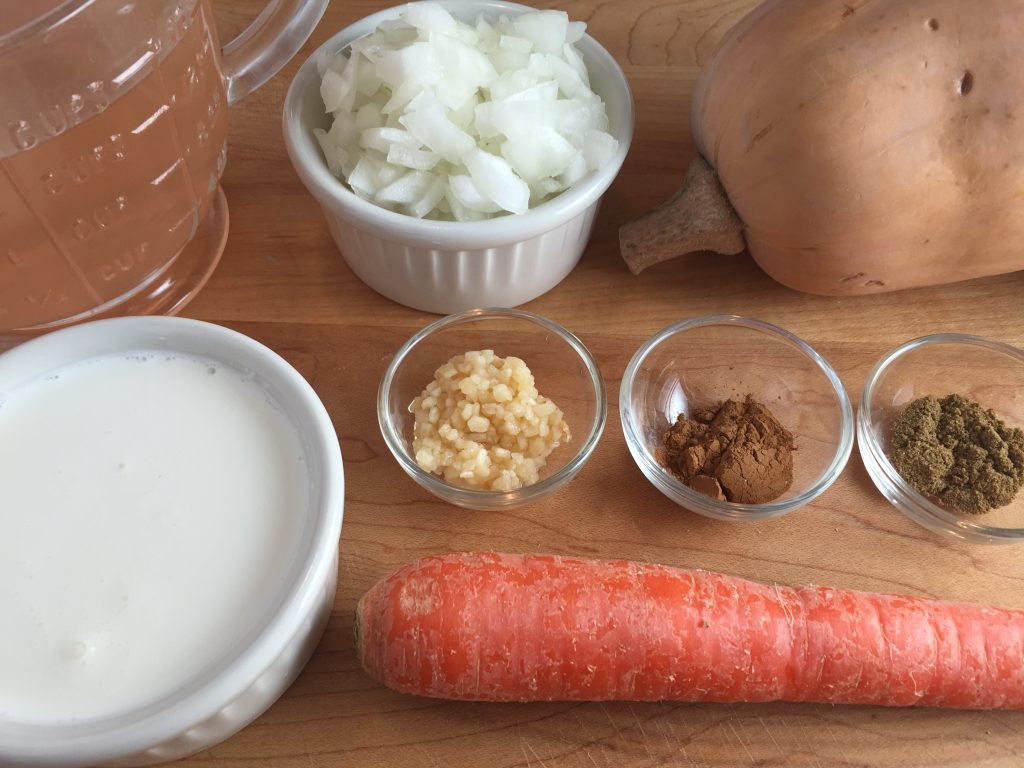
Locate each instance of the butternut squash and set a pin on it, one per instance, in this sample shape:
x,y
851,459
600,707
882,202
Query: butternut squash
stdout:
x,y
856,146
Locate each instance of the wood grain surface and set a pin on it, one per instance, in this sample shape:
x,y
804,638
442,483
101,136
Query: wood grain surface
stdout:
x,y
283,282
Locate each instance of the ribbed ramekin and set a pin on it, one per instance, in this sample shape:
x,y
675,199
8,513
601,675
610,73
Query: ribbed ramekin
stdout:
x,y
445,266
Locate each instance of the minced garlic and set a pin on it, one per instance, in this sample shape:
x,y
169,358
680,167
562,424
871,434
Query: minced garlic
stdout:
x,y
482,424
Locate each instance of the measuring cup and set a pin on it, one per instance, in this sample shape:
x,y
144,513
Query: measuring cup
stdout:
x,y
113,120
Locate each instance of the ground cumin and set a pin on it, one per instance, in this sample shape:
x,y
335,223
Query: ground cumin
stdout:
x,y
959,453
734,451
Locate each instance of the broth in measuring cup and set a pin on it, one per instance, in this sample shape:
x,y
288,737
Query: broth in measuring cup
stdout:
x,y
111,149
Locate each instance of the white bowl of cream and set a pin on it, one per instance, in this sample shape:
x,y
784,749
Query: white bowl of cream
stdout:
x,y
171,498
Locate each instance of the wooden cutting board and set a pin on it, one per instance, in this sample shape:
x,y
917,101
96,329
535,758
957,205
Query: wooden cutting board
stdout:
x,y
282,282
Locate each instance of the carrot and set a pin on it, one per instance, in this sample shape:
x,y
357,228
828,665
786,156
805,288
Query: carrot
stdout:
x,y
497,627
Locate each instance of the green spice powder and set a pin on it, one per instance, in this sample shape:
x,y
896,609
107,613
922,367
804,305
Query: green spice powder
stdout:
x,y
959,453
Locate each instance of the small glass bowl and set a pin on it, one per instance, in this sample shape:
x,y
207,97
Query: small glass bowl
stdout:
x,y
990,373
564,371
700,362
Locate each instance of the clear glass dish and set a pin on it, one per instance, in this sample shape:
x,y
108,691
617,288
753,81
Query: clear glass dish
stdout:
x,y
990,373
699,362
562,366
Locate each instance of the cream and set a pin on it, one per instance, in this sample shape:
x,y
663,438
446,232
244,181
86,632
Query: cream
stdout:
x,y
150,507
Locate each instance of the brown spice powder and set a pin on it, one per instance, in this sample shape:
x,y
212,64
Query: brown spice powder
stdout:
x,y
734,451
958,452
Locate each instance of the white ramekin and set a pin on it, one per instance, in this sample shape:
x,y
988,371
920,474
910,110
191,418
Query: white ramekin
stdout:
x,y
203,712
442,266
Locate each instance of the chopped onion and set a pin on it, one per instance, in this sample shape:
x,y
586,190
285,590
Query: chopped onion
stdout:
x,y
437,118
545,154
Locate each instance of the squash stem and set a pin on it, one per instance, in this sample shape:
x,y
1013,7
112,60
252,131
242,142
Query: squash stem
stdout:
x,y
698,217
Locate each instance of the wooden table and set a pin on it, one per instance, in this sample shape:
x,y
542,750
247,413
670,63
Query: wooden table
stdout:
x,y
282,282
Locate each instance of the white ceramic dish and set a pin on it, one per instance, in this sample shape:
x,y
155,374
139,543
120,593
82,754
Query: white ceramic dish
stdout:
x,y
249,676
447,267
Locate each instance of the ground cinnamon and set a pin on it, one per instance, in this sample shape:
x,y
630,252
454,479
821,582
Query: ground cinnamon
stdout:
x,y
733,451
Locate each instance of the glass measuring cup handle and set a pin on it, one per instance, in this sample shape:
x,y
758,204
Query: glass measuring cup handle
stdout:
x,y
268,43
